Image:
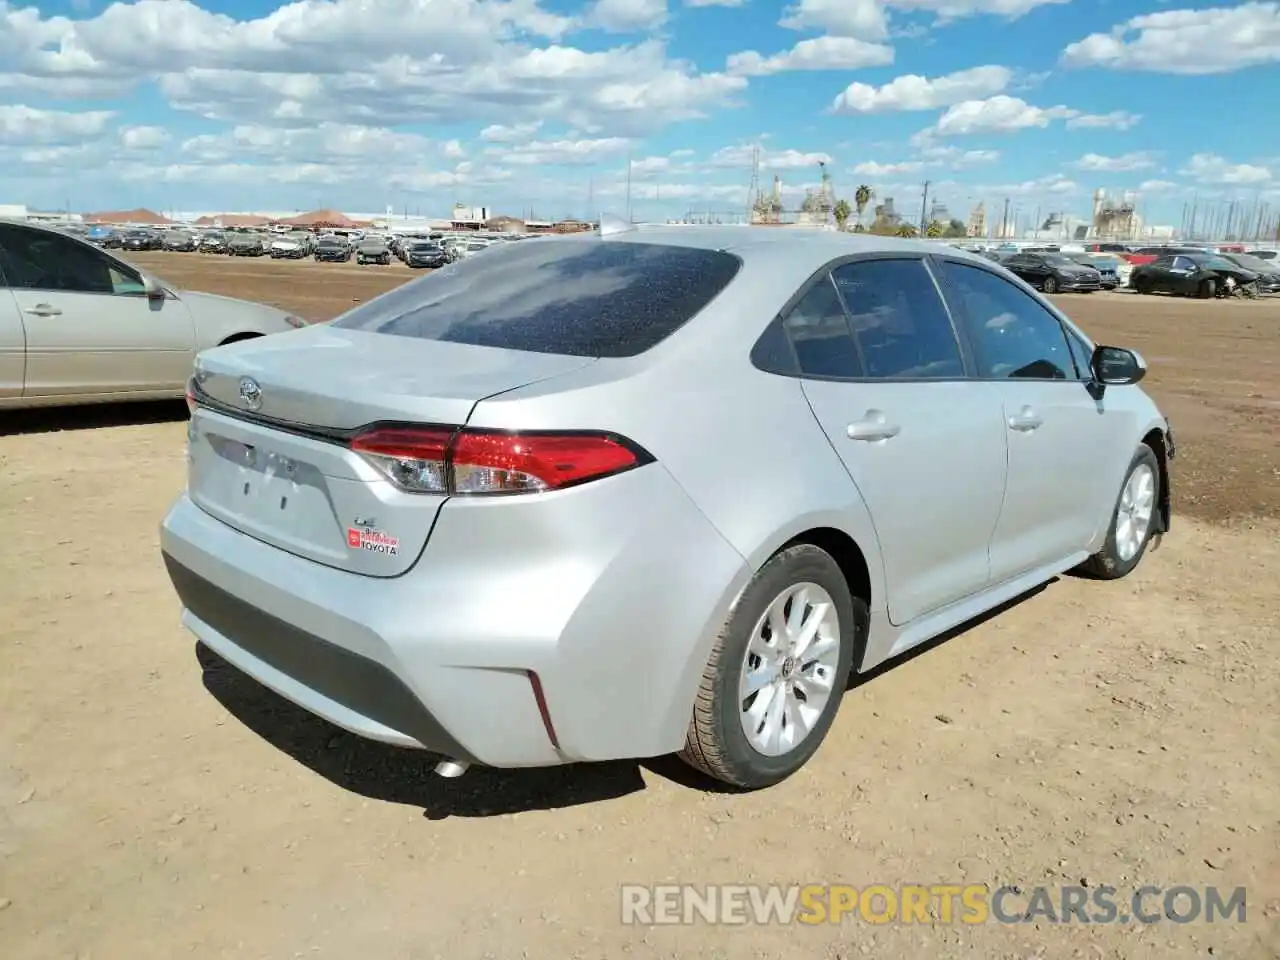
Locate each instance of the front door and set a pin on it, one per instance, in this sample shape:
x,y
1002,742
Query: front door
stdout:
x,y
90,327
1063,444
923,443
13,345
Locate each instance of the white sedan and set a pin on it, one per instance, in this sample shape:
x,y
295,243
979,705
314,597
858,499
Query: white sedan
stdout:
x,y
78,325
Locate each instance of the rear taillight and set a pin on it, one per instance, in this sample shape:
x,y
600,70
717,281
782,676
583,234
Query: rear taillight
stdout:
x,y
192,400
450,460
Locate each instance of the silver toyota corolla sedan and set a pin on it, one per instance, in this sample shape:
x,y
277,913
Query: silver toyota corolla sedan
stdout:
x,y
78,325
617,496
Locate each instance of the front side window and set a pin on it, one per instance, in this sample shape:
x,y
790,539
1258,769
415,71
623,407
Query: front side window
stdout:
x,y
899,321
586,298
1014,336
36,260
819,333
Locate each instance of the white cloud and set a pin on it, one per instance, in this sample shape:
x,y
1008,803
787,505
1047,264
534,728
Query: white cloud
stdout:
x,y
863,19
913,92
1213,40
741,156
560,152
1123,163
20,125
868,19
998,114
878,170
1052,185
500,133
957,159
335,141
371,62
714,3
1115,120
819,53
1211,168
627,16
454,150
1157,186
143,137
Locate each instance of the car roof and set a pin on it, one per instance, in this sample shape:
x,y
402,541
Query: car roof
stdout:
x,y
794,251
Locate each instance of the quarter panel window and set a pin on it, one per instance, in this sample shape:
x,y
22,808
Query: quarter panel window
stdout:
x,y
901,325
1014,336
819,332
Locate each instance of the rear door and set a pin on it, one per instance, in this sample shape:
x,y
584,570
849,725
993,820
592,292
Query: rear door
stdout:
x,y
887,380
1063,445
90,327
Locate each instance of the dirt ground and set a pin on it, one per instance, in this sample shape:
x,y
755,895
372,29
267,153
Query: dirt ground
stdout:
x,y
155,803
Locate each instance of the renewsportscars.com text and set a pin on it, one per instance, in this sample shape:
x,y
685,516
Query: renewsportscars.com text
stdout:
x,y
929,904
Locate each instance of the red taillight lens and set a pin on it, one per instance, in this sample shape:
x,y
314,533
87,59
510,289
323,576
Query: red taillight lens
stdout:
x,y
192,400
456,461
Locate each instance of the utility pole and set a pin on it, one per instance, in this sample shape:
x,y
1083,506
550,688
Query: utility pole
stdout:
x,y
924,201
1004,221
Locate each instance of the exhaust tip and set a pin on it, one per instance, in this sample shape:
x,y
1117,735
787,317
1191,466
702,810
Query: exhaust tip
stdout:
x,y
451,768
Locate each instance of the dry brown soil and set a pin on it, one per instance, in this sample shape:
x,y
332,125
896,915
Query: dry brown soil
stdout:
x,y
154,803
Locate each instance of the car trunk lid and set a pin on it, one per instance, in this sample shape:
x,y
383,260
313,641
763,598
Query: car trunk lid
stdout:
x,y
267,444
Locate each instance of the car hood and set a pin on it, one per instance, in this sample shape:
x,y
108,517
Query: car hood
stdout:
x,y
216,317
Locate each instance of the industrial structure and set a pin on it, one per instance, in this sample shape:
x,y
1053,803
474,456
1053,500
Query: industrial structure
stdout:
x,y
1115,219
816,209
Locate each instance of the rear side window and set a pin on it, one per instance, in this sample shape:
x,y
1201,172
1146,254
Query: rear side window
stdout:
x,y
899,320
819,333
583,298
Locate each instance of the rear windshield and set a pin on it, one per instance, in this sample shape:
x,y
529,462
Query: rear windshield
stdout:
x,y
582,298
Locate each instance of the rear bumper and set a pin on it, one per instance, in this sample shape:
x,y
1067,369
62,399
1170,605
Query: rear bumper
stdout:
x,y
611,597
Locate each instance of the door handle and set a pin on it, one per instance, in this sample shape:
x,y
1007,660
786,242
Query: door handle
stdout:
x,y
43,310
1025,420
872,427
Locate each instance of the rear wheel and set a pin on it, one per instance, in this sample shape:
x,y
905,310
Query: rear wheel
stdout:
x,y
1207,289
1141,285
1050,285
1132,521
777,672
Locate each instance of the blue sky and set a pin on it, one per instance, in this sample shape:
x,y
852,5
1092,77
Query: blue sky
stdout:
x,y
537,105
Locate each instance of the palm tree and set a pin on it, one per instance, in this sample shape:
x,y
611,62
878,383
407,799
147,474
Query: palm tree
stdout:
x,y
906,230
842,211
861,197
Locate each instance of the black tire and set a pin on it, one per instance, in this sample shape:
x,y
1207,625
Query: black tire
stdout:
x,y
1141,285
1107,564
1050,285
716,743
1207,290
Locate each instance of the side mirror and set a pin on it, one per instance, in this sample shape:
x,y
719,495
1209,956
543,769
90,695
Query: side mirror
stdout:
x,y
1116,366
151,288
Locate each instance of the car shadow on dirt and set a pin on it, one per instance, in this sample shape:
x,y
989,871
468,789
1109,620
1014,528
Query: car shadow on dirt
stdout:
x,y
382,772
396,775
91,417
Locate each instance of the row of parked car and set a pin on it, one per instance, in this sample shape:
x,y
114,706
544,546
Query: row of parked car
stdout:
x,y
418,250
1185,271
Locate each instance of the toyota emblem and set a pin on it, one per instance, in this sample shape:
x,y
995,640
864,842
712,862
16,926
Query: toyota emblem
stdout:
x,y
250,393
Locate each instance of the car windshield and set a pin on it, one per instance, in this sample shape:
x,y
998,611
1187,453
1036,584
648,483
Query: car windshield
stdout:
x,y
1109,262
573,298
1215,263
1059,259
1253,263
